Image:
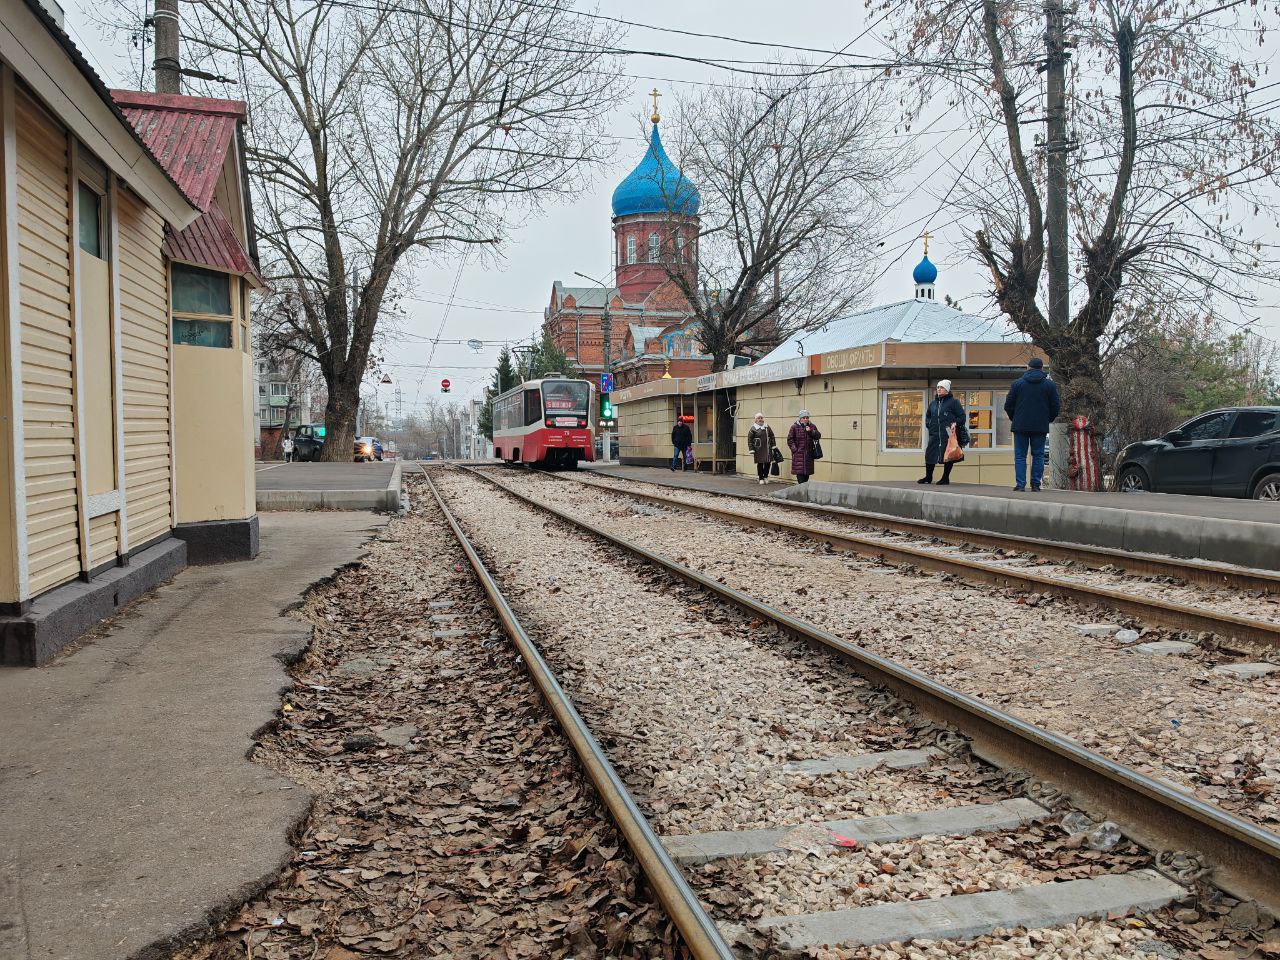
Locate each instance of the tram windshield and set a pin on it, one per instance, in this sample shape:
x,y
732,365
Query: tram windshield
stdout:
x,y
566,398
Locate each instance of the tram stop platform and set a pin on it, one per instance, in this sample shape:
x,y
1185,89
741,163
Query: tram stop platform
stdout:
x,y
329,486
1241,532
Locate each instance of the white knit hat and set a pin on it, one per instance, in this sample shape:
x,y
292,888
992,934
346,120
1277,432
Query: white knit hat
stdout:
x,y
945,385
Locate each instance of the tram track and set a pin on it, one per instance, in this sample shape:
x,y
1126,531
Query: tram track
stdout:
x,y
929,556
1244,857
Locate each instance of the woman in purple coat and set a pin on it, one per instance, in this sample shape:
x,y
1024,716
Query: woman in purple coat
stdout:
x,y
801,438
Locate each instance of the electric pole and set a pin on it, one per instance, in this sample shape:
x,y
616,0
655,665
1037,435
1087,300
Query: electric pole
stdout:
x,y
168,77
1056,149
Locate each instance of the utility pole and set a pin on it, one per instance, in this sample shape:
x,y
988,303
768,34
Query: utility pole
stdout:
x,y
1056,149
167,66
606,328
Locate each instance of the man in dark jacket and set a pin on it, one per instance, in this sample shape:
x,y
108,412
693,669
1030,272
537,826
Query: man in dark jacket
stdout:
x,y
682,440
1032,404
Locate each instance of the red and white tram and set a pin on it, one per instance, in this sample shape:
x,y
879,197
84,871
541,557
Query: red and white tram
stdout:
x,y
544,422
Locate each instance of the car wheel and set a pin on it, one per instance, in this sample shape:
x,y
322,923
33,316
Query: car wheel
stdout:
x,y
1133,480
1268,488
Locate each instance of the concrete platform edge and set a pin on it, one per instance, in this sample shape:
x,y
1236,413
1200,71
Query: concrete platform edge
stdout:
x,y
1241,542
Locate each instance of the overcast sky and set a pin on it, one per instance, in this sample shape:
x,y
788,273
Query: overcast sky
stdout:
x,y
501,303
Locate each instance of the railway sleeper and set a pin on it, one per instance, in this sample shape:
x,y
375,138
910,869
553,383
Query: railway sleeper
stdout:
x,y
969,915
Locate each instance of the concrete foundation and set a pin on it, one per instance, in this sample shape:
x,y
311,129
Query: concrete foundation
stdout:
x,y
219,541
60,616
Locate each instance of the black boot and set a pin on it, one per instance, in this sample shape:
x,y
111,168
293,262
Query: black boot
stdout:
x,y
946,474
928,474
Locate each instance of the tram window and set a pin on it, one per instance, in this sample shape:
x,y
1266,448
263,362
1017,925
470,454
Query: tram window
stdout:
x,y
532,407
570,397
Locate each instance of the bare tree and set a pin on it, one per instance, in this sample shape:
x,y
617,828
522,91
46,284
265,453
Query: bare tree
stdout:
x,y
380,133
793,176
1171,162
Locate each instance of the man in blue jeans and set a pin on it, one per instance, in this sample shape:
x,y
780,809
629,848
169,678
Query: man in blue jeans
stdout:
x,y
1032,404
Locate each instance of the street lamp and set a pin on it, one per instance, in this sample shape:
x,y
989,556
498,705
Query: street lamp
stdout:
x,y
606,324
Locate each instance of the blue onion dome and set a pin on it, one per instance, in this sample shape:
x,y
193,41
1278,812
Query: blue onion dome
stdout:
x,y
656,185
925,271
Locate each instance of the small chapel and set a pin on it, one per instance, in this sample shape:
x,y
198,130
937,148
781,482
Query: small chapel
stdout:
x,y
652,331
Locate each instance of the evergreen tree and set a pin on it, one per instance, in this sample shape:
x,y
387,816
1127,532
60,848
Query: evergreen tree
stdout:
x,y
504,378
546,358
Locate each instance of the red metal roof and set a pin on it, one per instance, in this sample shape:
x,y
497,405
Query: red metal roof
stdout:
x,y
189,135
212,242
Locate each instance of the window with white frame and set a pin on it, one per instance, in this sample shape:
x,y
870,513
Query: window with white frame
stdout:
x,y
279,389
902,420
631,249
989,426
679,247
655,248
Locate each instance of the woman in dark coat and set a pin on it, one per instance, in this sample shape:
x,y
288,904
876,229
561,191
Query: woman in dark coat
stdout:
x,y
761,442
801,438
944,412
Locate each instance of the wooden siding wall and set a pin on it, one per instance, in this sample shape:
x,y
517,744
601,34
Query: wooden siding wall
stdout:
x,y
48,382
144,349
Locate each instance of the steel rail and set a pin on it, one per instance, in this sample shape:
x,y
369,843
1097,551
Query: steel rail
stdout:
x,y
1204,572
1245,858
1179,616
681,903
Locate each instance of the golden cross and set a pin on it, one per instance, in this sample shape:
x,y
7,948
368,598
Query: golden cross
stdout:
x,y
655,94
926,243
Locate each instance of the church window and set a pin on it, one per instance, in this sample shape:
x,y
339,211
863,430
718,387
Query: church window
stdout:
x,y
680,247
655,246
631,249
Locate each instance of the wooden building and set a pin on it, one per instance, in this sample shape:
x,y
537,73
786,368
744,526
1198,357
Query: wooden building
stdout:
x,y
91,487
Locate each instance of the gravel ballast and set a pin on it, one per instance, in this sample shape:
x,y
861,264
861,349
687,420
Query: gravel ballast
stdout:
x,y
699,707
1170,717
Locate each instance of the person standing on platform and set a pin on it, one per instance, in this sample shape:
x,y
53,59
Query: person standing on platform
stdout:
x,y
944,412
802,438
761,442
682,440
286,446
1032,404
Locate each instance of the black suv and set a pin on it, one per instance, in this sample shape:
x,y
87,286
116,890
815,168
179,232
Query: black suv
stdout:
x,y
308,441
1233,452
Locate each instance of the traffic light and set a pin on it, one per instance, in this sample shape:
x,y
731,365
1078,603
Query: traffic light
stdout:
x,y
606,411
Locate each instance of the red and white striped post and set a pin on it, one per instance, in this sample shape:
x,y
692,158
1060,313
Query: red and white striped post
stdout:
x,y
1083,470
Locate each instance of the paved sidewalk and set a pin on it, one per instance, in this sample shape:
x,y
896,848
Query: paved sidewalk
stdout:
x,y
131,812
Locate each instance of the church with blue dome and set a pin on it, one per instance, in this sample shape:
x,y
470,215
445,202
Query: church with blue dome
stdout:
x,y
655,235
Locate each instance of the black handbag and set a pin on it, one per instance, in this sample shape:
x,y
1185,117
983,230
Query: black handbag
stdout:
x,y
817,450
777,458
774,469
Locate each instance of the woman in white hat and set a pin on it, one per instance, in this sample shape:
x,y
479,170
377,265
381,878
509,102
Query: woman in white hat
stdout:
x,y
761,442
944,412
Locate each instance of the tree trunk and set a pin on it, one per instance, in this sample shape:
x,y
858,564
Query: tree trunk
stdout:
x,y
340,422
1076,361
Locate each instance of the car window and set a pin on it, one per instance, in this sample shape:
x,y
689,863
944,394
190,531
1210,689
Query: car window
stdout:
x,y
1253,423
1209,427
